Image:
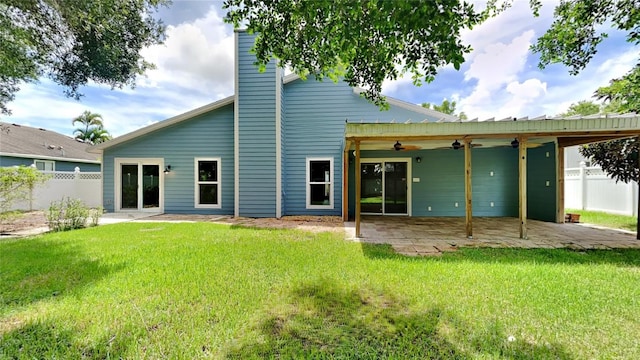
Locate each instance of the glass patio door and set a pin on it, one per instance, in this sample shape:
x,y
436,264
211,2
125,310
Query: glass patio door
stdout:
x,y
140,186
395,188
384,188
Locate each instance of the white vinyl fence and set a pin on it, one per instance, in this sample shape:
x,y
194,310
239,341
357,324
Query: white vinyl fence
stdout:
x,y
589,188
85,186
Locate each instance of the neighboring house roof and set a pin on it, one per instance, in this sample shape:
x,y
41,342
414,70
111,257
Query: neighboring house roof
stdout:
x,y
229,100
29,142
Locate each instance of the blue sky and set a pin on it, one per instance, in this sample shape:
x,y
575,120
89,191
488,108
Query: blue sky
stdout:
x,y
500,77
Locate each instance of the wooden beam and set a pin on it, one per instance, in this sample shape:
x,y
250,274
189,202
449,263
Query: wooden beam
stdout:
x,y
522,192
345,185
572,141
358,173
467,189
560,185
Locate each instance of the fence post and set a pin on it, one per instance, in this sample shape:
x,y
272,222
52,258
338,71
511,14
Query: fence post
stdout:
x,y
583,185
633,190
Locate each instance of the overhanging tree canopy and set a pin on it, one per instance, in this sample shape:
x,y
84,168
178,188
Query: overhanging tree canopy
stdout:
x,y
73,42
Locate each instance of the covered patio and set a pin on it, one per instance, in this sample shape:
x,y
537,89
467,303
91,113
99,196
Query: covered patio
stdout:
x,y
528,184
427,236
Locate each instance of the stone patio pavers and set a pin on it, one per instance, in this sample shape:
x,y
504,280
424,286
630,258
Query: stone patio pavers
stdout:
x,y
416,236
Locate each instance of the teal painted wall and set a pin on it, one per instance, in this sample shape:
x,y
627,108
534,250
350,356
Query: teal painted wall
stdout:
x,y
441,174
314,118
207,135
60,165
257,133
541,168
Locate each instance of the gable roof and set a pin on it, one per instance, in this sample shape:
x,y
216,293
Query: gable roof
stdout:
x,y
230,100
29,142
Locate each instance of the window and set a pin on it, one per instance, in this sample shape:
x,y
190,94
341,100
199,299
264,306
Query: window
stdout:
x,y
207,183
319,183
45,165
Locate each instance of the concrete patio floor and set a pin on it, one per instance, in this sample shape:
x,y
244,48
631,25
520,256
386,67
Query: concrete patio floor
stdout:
x,y
415,236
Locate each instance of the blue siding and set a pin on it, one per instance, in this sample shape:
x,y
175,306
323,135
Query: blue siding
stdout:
x,y
541,167
257,133
501,188
315,114
60,165
207,135
441,185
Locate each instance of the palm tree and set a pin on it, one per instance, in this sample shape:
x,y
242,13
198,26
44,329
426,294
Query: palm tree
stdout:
x,y
87,120
98,135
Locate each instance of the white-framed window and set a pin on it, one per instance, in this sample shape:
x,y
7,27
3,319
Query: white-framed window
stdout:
x,y
45,165
320,183
207,183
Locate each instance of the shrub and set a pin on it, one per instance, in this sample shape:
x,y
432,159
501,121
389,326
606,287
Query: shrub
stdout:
x,y
69,214
17,184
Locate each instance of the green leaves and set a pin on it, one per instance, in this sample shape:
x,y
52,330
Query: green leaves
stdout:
x,y
73,42
16,184
618,158
92,129
574,35
364,41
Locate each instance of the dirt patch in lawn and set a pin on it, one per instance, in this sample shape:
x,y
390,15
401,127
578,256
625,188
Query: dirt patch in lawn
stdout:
x,y
22,222
308,223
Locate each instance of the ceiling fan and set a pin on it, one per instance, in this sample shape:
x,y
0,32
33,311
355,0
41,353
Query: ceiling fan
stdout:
x,y
457,145
398,146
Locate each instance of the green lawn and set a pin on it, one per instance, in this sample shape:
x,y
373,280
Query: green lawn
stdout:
x,y
606,219
161,290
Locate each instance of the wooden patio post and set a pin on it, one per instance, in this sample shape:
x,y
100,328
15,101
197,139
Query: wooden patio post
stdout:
x,y
357,170
522,192
467,189
638,180
345,183
560,185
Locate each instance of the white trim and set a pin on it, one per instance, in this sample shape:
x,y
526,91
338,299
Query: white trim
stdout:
x,y
409,182
162,124
45,162
45,157
117,191
413,107
308,183
197,183
236,133
278,142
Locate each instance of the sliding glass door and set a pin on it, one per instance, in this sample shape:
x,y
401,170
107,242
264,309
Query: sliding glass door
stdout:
x,y
140,185
384,187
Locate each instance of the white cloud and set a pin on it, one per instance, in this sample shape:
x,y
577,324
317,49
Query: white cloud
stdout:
x,y
498,91
196,55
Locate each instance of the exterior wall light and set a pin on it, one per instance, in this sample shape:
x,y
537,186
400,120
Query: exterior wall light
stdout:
x,y
515,143
456,145
167,169
418,159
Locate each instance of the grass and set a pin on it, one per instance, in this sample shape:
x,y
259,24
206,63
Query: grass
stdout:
x,y
165,290
615,221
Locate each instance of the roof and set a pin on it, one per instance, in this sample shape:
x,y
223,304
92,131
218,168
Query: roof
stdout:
x,y
230,100
29,142
568,130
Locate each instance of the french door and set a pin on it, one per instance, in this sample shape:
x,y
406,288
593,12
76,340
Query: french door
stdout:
x,y
139,185
385,186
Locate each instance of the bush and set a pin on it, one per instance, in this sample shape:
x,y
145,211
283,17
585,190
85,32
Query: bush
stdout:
x,y
69,214
17,184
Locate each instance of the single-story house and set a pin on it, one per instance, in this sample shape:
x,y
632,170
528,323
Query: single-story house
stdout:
x,y
285,146
45,149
